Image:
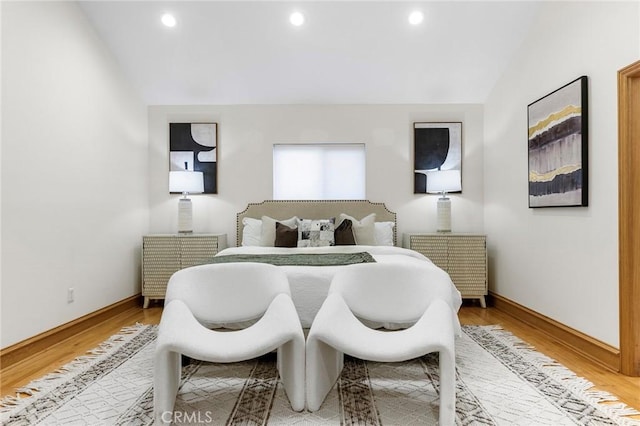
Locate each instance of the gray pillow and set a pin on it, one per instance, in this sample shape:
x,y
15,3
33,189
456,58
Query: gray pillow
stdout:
x,y
344,234
286,236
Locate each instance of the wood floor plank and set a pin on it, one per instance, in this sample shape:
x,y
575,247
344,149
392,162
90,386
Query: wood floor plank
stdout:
x,y
627,389
41,363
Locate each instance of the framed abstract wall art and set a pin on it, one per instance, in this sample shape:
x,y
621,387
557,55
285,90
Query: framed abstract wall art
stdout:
x,y
557,147
193,147
437,147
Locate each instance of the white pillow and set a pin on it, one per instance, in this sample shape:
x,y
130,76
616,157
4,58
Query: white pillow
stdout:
x,y
363,230
384,233
268,232
251,231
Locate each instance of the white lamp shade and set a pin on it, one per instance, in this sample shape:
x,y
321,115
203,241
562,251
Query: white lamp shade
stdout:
x,y
184,181
443,181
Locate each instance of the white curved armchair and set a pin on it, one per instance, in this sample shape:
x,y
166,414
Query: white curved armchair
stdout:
x,y
382,293
223,294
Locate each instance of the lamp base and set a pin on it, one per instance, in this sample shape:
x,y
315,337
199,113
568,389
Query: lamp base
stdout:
x,y
185,216
444,214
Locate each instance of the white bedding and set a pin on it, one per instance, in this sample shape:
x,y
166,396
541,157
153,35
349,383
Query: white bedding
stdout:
x,y
310,284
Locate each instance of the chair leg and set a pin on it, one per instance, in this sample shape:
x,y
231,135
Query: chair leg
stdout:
x,y
447,363
166,379
324,365
291,365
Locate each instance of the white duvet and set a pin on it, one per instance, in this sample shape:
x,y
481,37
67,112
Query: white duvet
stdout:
x,y
310,284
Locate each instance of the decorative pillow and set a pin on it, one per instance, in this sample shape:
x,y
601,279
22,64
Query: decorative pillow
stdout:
x,y
344,234
268,233
286,236
251,231
384,233
316,233
363,230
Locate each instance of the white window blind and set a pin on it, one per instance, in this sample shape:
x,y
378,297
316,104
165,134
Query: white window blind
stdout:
x,y
319,171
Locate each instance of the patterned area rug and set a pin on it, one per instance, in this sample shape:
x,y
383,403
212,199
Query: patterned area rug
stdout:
x,y
501,381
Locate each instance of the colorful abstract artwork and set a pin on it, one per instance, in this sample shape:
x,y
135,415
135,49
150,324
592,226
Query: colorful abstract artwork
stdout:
x,y
193,147
558,135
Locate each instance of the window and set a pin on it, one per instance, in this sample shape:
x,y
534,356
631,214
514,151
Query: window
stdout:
x,y
319,171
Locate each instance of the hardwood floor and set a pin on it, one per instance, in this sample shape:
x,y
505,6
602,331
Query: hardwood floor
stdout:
x,y
627,389
41,363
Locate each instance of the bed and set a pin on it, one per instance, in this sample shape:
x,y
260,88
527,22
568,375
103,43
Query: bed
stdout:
x,y
311,268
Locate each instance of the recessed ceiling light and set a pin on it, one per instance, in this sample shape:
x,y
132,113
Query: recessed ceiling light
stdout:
x,y
169,20
296,18
416,17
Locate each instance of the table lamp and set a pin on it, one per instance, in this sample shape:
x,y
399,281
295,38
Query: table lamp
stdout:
x,y
441,182
187,183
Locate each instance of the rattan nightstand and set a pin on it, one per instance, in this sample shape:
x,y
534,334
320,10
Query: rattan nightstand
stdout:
x,y
463,256
164,254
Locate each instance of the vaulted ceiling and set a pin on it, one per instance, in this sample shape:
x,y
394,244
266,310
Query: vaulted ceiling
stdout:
x,y
346,52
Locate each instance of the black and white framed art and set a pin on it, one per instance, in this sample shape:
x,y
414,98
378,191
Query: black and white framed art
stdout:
x,y
194,147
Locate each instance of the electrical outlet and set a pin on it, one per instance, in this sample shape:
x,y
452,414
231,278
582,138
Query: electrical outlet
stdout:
x,y
70,295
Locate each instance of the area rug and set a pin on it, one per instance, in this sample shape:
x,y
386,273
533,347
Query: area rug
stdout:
x,y
500,381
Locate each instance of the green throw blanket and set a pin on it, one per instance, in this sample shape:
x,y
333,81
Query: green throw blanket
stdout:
x,y
298,259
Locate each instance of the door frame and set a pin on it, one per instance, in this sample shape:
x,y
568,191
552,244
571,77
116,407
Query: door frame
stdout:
x,y
629,217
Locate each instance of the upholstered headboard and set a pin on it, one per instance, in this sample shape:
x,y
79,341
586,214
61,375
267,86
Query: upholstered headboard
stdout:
x,y
315,209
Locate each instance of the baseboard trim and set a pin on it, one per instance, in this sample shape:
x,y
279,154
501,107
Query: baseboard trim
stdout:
x,y
585,345
21,350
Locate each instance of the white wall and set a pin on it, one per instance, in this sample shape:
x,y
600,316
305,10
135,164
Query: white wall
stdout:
x,y
246,137
74,171
561,262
